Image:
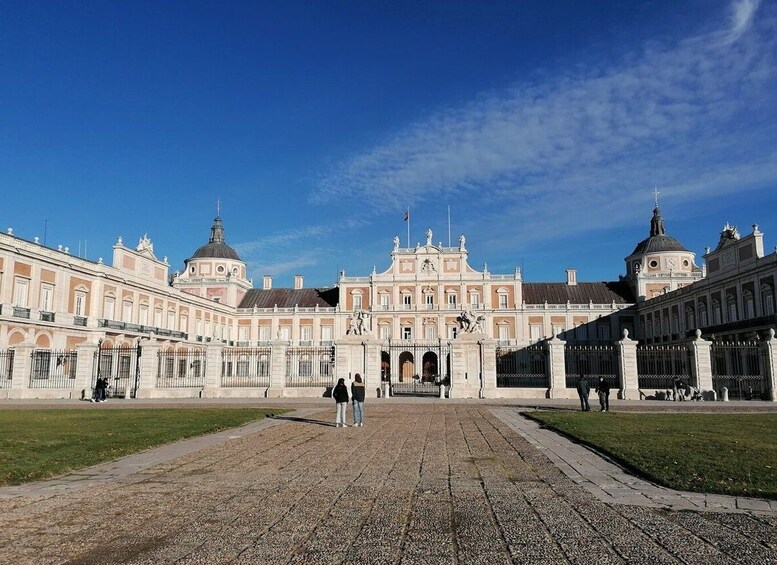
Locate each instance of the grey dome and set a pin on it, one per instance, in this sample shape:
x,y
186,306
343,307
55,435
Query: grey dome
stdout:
x,y
216,248
658,241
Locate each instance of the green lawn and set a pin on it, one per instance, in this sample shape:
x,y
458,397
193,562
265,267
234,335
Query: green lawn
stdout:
x,y
714,453
38,444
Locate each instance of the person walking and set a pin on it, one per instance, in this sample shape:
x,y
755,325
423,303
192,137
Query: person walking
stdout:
x,y
357,394
99,390
603,389
583,389
341,395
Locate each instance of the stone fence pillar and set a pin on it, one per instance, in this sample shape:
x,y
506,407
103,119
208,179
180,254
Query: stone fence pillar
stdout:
x,y
22,369
149,369
277,369
466,366
627,358
86,354
557,368
371,374
770,357
214,363
701,369
488,358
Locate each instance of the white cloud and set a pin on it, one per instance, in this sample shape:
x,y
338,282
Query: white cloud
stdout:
x,y
583,147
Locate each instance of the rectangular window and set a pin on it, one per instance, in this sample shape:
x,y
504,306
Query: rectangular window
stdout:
x,y
171,320
306,335
108,309
242,334
535,332
384,302
385,331
504,332
286,333
451,300
184,324
503,301
20,294
326,335
407,332
430,332
80,302
452,332
357,302
406,301
474,300
143,318
603,333
429,299
264,334
46,298
127,312
158,318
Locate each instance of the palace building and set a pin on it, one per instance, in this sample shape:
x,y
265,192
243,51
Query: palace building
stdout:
x,y
428,321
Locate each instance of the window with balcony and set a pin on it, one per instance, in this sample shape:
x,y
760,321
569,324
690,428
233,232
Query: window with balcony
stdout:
x,y
306,335
20,293
384,301
503,300
452,300
535,332
504,332
265,334
474,300
407,301
357,301
80,304
327,334
429,300
46,298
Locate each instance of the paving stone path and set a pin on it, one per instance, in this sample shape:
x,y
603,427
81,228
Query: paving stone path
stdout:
x,y
420,483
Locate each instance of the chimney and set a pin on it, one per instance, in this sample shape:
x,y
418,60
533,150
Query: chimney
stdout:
x,y
572,277
297,281
267,282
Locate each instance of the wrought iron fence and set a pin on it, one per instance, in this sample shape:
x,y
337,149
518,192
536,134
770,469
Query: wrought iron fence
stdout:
x,y
593,361
6,368
415,387
119,367
310,366
659,366
181,369
53,369
246,367
426,361
739,367
525,367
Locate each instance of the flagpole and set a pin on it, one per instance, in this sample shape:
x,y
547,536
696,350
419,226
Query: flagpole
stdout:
x,y
408,227
449,225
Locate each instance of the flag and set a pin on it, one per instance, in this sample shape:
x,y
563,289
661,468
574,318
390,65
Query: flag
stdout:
x,y
407,214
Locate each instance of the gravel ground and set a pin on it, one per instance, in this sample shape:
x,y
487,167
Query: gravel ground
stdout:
x,y
420,483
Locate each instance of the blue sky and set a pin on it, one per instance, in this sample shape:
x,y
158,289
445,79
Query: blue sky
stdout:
x,y
543,125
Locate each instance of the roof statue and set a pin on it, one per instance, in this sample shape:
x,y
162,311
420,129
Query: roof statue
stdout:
x,y
145,245
428,236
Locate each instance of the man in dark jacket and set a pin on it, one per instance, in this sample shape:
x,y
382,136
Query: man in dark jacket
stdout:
x,y
603,389
582,391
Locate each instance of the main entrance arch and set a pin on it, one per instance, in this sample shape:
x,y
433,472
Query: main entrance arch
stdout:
x,y
415,368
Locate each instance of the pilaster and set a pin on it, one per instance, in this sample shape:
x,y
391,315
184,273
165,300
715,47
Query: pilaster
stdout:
x,y
558,368
22,368
627,361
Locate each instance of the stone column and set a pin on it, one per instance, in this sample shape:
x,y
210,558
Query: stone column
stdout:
x,y
702,363
86,354
277,369
22,368
149,369
770,357
488,358
466,366
627,361
214,363
558,368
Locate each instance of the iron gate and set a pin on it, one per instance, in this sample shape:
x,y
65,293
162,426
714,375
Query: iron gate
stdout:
x,y
416,368
739,367
525,367
593,361
120,367
658,366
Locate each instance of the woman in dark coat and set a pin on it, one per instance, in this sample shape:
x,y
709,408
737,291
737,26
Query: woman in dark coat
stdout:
x,y
341,395
357,393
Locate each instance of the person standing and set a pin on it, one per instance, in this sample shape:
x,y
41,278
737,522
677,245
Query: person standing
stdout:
x,y
357,394
99,390
582,391
603,389
340,394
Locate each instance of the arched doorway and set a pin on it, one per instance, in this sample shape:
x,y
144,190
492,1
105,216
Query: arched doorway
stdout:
x,y
385,366
429,364
406,367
